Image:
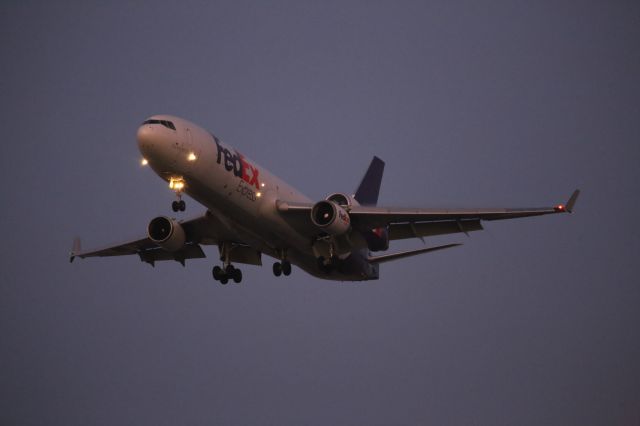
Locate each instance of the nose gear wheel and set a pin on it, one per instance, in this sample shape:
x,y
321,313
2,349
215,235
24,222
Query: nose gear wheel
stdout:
x,y
178,206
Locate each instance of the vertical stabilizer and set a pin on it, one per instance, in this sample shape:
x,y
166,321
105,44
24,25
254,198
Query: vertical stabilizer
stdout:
x,y
369,188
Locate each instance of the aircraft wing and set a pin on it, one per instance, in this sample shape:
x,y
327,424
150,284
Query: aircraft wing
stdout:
x,y
408,223
201,230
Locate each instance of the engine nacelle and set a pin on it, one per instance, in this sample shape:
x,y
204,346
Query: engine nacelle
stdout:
x,y
343,200
166,233
330,217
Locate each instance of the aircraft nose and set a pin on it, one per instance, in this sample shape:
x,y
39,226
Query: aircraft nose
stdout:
x,y
157,141
145,138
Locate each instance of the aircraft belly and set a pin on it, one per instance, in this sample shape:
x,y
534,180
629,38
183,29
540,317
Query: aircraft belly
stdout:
x,y
251,220
267,232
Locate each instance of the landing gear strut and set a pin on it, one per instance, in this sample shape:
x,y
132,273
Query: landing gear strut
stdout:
x,y
325,266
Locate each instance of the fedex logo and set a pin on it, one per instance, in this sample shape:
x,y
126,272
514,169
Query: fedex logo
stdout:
x,y
344,217
236,163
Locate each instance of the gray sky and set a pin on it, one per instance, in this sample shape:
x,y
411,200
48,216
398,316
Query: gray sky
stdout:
x,y
473,104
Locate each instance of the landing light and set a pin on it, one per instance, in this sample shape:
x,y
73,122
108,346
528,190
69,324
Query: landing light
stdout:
x,y
262,185
258,194
144,162
192,157
177,184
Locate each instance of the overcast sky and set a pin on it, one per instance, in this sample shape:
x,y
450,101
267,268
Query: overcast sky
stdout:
x,y
471,104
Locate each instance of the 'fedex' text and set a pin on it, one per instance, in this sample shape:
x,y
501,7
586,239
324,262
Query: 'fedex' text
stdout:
x,y
235,162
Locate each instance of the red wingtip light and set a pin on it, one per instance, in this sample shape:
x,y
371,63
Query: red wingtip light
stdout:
x,y
559,208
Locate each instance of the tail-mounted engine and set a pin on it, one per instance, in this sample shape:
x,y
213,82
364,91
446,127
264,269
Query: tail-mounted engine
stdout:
x,y
166,233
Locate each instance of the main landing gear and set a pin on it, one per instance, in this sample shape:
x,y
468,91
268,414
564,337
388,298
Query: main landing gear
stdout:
x,y
282,268
224,275
227,271
327,266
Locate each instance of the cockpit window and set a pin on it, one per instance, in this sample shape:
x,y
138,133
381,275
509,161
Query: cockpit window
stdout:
x,y
165,123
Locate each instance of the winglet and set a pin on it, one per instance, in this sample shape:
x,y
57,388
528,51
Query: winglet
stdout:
x,y
572,201
75,249
568,208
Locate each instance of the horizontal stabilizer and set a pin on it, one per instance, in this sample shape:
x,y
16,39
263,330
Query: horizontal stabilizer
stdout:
x,y
394,256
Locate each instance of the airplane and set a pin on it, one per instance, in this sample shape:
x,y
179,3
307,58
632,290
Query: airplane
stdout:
x,y
251,212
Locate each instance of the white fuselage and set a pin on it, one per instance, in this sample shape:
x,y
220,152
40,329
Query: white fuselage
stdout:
x,y
240,194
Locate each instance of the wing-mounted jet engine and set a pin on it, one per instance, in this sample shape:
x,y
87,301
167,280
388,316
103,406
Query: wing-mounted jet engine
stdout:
x,y
337,238
330,218
166,233
326,215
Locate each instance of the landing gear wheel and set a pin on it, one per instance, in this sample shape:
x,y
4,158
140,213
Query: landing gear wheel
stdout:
x,y
217,273
224,280
178,206
277,269
286,268
237,276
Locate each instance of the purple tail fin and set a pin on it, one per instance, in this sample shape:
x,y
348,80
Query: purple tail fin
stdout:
x,y
369,188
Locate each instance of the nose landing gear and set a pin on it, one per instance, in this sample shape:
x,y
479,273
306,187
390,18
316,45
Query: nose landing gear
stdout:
x,y
178,206
177,185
